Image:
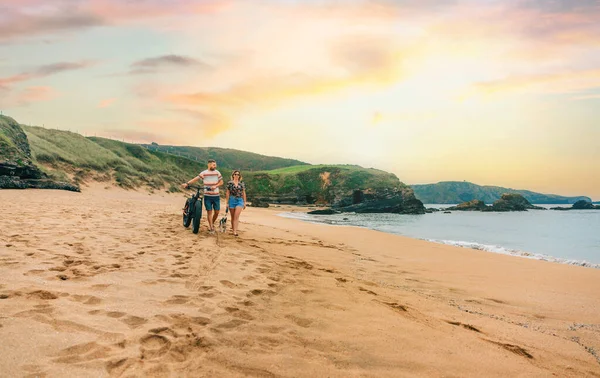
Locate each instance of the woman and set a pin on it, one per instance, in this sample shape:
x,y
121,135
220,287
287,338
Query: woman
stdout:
x,y
236,199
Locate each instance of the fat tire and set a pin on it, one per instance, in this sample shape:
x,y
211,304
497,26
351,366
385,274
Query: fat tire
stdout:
x,y
187,216
197,216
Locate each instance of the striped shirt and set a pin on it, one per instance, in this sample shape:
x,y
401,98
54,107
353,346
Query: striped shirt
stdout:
x,y
210,178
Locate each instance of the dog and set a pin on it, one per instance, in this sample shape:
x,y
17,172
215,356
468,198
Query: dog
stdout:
x,y
223,222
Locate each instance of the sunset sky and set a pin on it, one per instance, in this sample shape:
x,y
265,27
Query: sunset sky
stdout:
x,y
496,92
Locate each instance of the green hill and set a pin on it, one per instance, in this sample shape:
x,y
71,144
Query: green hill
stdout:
x,y
68,156
227,158
18,169
317,183
71,156
453,192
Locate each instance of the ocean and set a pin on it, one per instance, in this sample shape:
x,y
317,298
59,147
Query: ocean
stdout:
x,y
569,237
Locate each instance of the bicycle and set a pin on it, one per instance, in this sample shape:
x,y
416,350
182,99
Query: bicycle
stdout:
x,y
192,212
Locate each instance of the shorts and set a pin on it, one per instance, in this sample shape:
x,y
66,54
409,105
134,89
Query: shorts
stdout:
x,y
212,203
236,202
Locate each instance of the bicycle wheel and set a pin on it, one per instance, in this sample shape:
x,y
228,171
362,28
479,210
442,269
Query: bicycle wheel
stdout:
x,y
187,217
197,216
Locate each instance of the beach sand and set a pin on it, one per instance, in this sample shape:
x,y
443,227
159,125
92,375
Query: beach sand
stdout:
x,y
109,283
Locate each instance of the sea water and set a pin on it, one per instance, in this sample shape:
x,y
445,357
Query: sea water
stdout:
x,y
571,237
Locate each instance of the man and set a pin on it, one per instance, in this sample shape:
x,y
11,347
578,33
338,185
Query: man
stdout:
x,y
211,179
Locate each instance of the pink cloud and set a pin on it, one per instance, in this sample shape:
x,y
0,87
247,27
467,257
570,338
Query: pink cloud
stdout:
x,y
106,103
34,94
45,70
33,17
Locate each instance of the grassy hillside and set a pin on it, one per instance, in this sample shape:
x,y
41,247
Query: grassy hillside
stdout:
x,y
453,192
228,158
13,142
319,183
68,155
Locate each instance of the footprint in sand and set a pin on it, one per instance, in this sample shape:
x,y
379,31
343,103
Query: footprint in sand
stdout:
x,y
153,346
42,294
367,291
395,306
164,331
134,321
257,292
512,348
87,299
236,312
83,352
231,324
228,284
466,326
302,322
115,314
177,299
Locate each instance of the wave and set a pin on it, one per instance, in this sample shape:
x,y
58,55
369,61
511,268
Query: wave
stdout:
x,y
514,252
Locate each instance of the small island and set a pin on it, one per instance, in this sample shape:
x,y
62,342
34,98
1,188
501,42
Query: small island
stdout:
x,y
507,202
579,205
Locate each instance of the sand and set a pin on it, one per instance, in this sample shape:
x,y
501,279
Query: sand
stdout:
x,y
109,283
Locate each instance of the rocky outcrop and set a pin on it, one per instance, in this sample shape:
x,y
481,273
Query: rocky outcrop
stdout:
x,y
323,212
395,200
579,205
258,202
17,171
507,202
513,202
474,205
7,182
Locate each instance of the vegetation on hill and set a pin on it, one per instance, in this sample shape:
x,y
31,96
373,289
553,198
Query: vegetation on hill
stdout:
x,y
71,157
318,183
452,192
68,155
13,142
228,158
17,168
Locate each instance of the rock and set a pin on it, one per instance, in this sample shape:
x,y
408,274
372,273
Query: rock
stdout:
x,y
583,205
258,202
447,212
430,210
508,202
513,202
579,205
399,201
17,171
323,212
474,205
12,182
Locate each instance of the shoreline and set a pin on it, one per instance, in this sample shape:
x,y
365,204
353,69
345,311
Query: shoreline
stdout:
x,y
109,283
480,246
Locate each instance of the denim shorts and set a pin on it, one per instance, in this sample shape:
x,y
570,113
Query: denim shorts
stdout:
x,y
212,203
236,202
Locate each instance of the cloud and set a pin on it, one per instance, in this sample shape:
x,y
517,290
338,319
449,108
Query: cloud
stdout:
x,y
106,103
151,65
36,17
31,95
43,71
558,83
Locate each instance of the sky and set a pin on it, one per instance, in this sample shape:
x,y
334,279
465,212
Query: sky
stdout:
x,y
495,92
